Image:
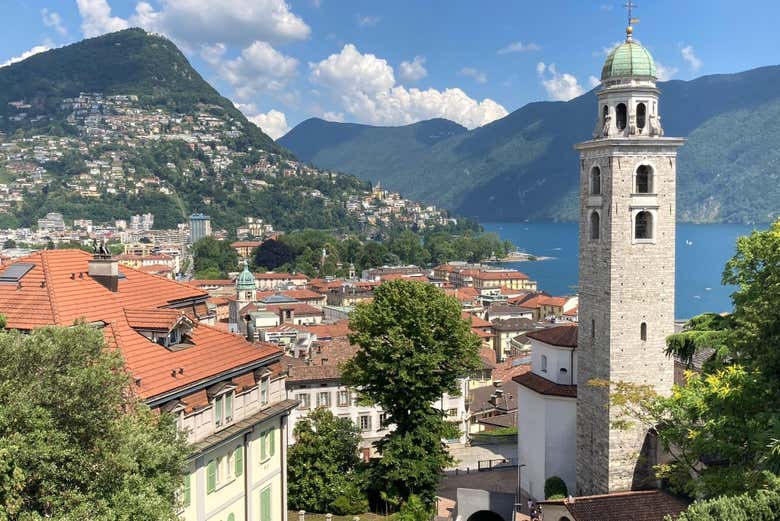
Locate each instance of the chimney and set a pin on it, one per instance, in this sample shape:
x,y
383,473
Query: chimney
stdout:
x,y
104,270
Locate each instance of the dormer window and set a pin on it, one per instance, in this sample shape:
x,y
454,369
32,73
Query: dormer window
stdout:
x,y
169,328
222,396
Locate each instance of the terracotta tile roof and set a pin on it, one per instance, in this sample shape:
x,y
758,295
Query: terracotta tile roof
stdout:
x,y
297,294
644,505
155,268
325,365
514,324
58,290
499,275
299,308
153,319
542,385
218,301
475,320
488,354
572,312
338,330
562,336
539,300
245,244
270,275
463,294
479,398
200,283
480,333
509,368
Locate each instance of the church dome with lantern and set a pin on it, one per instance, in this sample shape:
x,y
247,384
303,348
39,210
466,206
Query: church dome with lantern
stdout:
x,y
245,279
629,59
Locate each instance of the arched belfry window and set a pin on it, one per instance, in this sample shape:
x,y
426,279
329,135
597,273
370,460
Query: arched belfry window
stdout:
x,y
622,115
644,180
604,115
595,181
595,226
641,115
643,331
643,225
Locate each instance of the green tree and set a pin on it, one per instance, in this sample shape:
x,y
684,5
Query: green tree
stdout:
x,y
74,443
209,254
273,254
409,249
323,465
9,243
729,415
414,509
762,505
414,346
555,488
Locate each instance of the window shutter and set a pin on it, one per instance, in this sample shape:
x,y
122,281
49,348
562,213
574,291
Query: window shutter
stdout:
x,y
187,490
239,459
262,446
271,448
265,504
218,410
211,477
228,407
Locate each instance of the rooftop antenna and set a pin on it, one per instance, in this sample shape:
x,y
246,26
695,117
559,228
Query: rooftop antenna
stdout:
x,y
630,6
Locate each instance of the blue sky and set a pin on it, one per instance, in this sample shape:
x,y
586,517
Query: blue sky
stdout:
x,y
399,61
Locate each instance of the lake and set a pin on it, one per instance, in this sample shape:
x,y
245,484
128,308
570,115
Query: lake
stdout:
x,y
702,252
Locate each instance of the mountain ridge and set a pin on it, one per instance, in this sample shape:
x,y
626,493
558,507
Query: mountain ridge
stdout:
x,y
523,166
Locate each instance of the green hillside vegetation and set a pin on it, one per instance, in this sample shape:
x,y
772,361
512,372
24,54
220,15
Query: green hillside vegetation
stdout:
x,y
524,166
125,62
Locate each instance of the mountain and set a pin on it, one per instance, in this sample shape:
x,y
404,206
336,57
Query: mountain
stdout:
x,y
523,166
122,124
129,62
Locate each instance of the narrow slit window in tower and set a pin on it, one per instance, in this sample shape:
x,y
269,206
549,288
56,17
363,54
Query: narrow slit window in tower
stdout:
x,y
641,115
644,180
544,363
621,115
595,181
595,226
604,115
643,331
643,227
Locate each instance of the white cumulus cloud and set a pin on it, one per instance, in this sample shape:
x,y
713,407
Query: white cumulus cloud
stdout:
x,y
593,81
365,86
259,68
96,18
413,70
367,21
471,72
54,20
26,54
237,22
664,73
690,57
559,86
519,47
273,123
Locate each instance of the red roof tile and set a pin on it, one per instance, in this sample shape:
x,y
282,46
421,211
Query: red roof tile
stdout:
x,y
58,290
643,505
280,276
562,336
542,385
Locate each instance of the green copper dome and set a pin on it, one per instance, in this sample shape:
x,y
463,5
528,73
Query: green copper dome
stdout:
x,y
245,279
628,59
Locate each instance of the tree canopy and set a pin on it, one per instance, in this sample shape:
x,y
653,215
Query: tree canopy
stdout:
x,y
414,346
212,257
74,443
323,465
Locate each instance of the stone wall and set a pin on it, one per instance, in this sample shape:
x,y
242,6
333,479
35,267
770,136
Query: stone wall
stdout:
x,y
624,282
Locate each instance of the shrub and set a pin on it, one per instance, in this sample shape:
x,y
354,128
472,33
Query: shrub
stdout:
x,y
555,488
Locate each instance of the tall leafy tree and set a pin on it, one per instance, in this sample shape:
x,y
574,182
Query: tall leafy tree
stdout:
x,y
273,254
414,346
323,465
74,443
209,254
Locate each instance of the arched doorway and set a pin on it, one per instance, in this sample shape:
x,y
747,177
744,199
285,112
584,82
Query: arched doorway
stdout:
x,y
485,515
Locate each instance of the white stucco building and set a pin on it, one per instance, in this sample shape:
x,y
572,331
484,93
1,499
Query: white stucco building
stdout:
x,y
547,410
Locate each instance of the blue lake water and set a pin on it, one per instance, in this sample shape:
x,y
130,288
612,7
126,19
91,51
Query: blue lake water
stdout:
x,y
699,264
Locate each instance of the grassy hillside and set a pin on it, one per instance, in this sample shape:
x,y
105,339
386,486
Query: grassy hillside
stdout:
x,y
524,166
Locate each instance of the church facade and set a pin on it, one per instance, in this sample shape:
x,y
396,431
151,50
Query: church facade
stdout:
x,y
626,268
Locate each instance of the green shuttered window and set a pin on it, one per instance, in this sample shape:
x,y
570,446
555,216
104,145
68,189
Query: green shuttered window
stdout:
x,y
211,477
265,504
238,458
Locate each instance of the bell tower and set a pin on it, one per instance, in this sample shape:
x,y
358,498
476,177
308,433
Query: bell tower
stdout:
x,y
626,267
